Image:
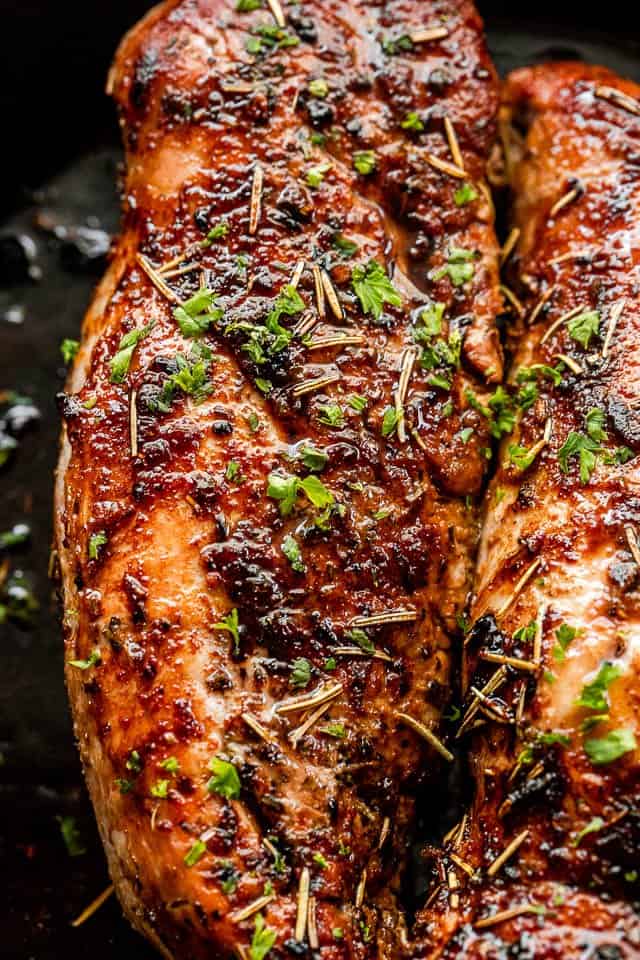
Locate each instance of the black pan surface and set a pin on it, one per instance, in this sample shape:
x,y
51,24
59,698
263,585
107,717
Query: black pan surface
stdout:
x,y
60,204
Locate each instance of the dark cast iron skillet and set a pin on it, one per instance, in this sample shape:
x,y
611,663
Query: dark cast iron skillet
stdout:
x,y
58,203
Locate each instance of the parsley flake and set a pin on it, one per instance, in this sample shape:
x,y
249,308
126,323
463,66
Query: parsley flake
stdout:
x,y
364,162
373,288
121,360
93,660
225,780
195,853
232,626
291,550
196,314
300,673
69,350
611,747
262,941
96,542
585,326
465,194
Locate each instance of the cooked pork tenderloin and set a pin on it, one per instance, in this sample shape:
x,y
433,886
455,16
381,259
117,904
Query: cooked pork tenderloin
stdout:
x,y
553,660
266,499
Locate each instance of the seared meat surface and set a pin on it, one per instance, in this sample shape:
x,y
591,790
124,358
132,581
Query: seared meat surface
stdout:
x,y
553,660
266,500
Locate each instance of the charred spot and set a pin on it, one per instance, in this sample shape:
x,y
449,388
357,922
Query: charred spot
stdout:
x,y
185,725
111,632
547,788
298,949
155,452
222,428
619,843
69,406
285,633
320,113
143,74
304,27
438,80
411,549
486,633
201,218
136,594
625,420
295,201
244,563
324,629
219,680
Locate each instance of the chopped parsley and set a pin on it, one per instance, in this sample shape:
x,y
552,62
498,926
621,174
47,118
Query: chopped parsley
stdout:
x,y
92,661
565,635
267,37
96,542
540,371
196,314
373,288
171,765
253,422
413,122
585,326
318,88
459,267
317,173
594,695
300,673
314,459
271,338
612,746
357,402
69,350
320,860
72,837
526,633
595,824
121,360
246,6
160,789
233,472
262,941
390,421
190,378
219,232
358,636
465,194
346,247
401,44
285,490
232,626
134,762
499,412
594,422
292,552
520,457
364,162
225,780
195,853
336,730
331,414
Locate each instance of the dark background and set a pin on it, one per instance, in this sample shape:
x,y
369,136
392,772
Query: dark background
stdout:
x,y
60,163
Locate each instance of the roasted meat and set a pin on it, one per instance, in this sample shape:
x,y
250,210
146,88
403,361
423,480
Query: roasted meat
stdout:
x,y
552,660
266,500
